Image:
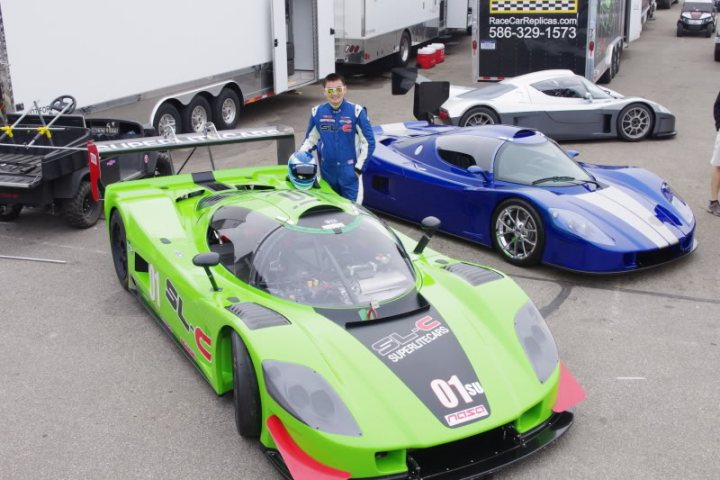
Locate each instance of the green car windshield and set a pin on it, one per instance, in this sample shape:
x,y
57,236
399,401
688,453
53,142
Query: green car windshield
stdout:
x,y
327,259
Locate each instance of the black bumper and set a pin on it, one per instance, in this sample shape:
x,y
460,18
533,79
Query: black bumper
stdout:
x,y
664,125
470,458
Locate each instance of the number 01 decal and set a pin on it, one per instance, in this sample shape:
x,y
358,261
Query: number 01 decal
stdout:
x,y
447,391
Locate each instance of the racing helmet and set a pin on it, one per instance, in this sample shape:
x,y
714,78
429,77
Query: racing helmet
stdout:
x,y
302,170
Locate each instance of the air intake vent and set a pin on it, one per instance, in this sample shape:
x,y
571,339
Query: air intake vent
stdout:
x,y
213,199
473,274
255,316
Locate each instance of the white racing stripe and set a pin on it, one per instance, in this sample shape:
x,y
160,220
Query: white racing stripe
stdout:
x,y
397,130
621,205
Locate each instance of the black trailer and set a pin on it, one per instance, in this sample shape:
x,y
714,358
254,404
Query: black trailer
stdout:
x,y
511,38
44,163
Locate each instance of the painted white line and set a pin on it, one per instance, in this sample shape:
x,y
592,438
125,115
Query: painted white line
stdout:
x,y
30,259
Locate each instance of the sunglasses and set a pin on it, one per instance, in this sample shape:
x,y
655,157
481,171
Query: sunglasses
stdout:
x,y
332,91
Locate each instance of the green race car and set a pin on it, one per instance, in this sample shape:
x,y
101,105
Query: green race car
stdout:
x,y
351,350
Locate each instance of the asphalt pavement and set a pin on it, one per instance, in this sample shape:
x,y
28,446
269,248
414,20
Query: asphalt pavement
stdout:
x,y
92,388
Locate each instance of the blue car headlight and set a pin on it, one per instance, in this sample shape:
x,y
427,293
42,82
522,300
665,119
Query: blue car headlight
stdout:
x,y
682,208
308,397
577,224
536,340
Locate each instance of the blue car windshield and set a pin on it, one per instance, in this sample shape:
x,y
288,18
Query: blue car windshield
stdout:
x,y
541,164
327,259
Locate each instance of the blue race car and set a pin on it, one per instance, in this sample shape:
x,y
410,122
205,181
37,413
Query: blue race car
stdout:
x,y
516,190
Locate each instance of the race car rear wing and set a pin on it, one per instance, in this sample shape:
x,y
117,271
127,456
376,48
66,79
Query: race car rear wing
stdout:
x,y
429,95
283,135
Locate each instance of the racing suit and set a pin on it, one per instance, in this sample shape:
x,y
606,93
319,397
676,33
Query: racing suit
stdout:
x,y
344,140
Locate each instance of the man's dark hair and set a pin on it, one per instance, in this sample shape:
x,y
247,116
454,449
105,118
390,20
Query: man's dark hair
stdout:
x,y
333,77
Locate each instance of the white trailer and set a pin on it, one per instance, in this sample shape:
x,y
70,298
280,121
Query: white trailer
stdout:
x,y
638,12
161,62
368,30
457,16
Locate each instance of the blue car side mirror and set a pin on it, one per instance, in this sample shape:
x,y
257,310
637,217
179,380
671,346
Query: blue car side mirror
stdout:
x,y
475,170
572,153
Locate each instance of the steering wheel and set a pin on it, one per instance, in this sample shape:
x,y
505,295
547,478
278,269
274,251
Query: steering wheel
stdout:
x,y
62,102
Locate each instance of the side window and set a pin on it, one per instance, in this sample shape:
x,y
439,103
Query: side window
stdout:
x,y
457,159
561,87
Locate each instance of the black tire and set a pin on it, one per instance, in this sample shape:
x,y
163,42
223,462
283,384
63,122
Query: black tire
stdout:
x,y
163,165
479,116
82,211
118,248
663,4
717,54
518,233
246,398
616,59
195,114
167,115
8,213
708,31
680,31
226,109
403,54
635,122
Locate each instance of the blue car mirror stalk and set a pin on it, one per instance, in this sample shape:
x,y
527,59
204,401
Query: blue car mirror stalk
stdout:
x,y
429,226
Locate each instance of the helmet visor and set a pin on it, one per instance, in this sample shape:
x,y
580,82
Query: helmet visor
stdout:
x,y
304,172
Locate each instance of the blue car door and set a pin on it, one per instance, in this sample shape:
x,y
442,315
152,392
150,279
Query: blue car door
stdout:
x,y
439,189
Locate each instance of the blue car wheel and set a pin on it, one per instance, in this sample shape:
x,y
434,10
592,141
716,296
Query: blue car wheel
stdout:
x,y
519,235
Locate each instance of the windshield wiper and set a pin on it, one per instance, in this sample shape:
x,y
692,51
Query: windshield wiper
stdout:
x,y
576,181
553,179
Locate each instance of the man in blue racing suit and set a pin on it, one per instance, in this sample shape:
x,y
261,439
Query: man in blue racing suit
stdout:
x,y
342,133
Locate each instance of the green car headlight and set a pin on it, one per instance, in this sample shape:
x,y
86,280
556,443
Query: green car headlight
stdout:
x,y
577,224
536,340
308,397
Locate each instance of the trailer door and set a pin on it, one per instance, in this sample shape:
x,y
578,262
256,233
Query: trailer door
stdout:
x,y
279,35
325,37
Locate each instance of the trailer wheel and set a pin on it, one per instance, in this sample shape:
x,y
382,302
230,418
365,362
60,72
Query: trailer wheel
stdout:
x,y
635,122
163,165
248,417
9,213
616,57
403,54
167,116
196,114
479,116
226,109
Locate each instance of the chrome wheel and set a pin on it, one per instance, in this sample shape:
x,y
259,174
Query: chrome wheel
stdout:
x,y
635,122
479,116
198,118
516,233
228,111
167,121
